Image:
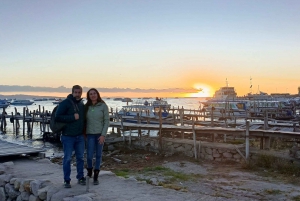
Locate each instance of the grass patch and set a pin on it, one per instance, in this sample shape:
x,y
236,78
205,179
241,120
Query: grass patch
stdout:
x,y
272,191
274,164
122,173
174,176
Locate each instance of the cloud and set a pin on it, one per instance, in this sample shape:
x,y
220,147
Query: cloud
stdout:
x,y
62,89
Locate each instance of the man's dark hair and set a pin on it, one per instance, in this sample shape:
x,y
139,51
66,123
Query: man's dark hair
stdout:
x,y
76,87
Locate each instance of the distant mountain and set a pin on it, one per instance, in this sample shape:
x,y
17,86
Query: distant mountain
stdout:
x,y
62,89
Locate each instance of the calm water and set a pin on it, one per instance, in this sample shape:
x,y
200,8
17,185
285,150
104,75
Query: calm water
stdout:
x,y
187,103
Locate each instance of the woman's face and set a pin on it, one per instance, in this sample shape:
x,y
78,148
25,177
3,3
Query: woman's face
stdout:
x,y
93,95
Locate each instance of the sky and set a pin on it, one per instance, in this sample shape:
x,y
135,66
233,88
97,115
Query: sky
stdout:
x,y
157,44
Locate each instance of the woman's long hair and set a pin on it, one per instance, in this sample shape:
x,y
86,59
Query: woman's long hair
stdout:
x,y
89,101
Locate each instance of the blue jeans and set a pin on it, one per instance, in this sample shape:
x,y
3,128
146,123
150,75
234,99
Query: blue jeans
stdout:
x,y
94,146
70,144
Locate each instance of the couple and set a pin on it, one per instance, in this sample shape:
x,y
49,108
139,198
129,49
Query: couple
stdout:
x,y
92,119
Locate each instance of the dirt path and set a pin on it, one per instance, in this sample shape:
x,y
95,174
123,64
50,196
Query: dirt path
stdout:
x,y
152,177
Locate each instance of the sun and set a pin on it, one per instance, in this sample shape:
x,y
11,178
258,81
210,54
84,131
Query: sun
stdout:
x,y
203,90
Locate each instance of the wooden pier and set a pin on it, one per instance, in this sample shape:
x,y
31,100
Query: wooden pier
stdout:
x,y
13,149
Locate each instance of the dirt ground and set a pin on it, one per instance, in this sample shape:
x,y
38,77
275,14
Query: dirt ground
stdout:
x,y
224,181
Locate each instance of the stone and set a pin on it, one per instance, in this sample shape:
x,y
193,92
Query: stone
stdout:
x,y
2,180
35,185
25,185
218,159
208,151
216,155
227,155
2,194
12,180
25,195
154,181
209,157
11,192
51,191
19,198
17,183
34,198
42,193
84,197
215,151
8,177
236,156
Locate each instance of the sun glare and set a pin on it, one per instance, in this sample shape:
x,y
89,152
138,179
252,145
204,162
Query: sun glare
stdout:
x,y
203,91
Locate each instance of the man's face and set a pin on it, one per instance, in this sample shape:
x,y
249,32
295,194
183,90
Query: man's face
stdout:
x,y
77,93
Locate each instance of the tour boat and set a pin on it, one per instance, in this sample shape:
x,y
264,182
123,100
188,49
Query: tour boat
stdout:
x,y
22,102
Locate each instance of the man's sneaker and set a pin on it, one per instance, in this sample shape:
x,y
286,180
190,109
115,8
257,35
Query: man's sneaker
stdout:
x,y
82,181
67,184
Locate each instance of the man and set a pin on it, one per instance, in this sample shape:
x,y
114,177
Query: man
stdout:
x,y
71,111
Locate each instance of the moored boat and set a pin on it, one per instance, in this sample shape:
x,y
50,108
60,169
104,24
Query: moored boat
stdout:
x,y
145,109
22,102
4,104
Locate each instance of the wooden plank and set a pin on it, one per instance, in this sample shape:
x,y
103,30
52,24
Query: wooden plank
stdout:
x,y
9,149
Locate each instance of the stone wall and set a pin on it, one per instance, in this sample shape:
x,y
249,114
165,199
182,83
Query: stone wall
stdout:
x,y
25,189
208,150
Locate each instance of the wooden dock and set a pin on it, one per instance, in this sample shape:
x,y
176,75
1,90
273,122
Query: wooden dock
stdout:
x,y
13,149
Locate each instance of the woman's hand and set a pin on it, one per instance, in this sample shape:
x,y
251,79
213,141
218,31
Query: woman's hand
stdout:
x,y
101,139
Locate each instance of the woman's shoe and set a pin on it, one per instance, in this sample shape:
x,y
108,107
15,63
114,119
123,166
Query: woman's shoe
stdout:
x,y
96,174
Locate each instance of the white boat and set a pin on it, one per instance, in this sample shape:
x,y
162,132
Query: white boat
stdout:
x,y
219,108
4,104
225,93
57,101
22,102
145,109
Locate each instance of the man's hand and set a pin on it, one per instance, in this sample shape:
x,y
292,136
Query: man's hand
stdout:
x,y
76,115
101,140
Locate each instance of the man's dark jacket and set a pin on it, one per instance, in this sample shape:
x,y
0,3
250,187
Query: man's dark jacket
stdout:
x,y
65,113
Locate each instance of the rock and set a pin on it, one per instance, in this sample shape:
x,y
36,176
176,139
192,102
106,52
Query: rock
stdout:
x,y
11,192
2,180
237,156
110,148
209,157
42,193
216,155
51,191
19,198
208,151
25,195
25,185
12,180
34,198
227,155
35,185
154,181
17,183
2,194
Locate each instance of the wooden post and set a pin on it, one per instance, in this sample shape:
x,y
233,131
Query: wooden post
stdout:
x,y
32,121
194,139
212,117
23,121
247,141
160,130
181,121
12,116
2,119
267,141
122,129
130,137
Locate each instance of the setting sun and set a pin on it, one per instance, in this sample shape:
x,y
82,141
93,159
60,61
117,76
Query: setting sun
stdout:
x,y
203,91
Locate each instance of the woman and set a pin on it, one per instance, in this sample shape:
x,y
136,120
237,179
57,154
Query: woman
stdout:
x,y
97,122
